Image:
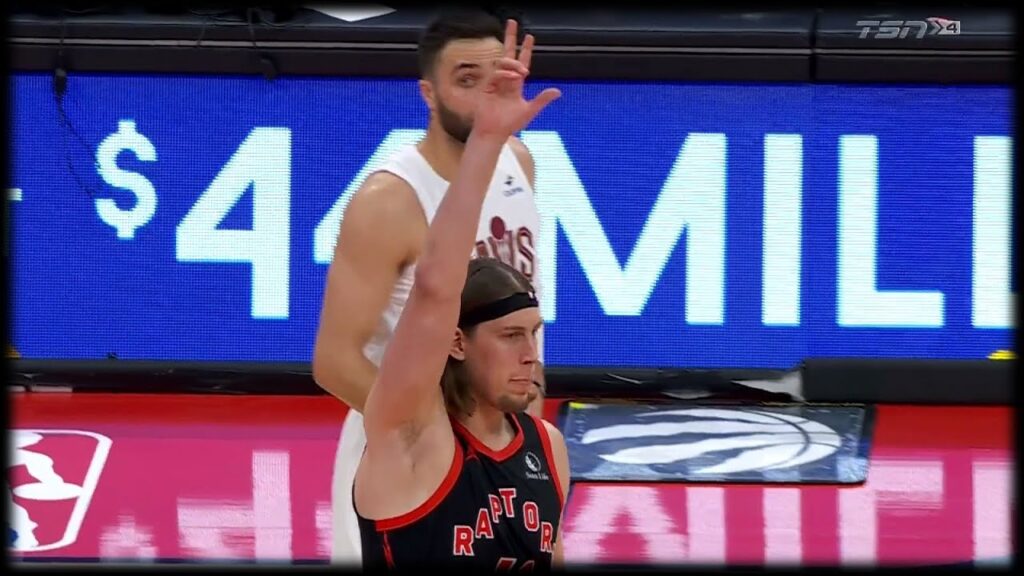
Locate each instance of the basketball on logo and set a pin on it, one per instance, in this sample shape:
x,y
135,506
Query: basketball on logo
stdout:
x,y
498,228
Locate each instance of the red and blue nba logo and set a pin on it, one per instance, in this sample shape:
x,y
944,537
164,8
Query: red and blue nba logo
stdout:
x,y
51,477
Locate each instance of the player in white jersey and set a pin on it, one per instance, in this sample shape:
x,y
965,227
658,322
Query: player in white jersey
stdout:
x,y
383,231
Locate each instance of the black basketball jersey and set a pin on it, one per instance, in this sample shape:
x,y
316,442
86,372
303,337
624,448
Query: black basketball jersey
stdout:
x,y
495,510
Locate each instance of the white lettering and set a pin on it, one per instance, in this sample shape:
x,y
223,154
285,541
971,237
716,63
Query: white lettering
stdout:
x,y
240,529
783,527
860,302
127,539
606,511
213,528
692,199
324,516
858,527
992,302
272,504
263,162
907,485
783,190
705,517
992,527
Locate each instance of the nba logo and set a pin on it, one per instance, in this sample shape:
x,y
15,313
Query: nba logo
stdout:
x,y
51,479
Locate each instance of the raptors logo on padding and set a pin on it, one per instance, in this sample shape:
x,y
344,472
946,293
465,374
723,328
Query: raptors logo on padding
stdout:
x,y
799,443
755,440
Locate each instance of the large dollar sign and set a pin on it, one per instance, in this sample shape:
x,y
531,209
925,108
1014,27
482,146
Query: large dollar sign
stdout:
x,y
126,222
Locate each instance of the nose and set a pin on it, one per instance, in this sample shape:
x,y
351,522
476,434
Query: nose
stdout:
x,y
532,354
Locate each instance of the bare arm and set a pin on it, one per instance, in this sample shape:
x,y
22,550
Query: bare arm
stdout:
x,y
376,239
407,392
561,455
407,396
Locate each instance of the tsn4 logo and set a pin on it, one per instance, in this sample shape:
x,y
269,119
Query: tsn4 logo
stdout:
x,y
889,29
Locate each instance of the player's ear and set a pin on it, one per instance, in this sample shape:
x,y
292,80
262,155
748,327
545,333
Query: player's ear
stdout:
x,y
427,93
458,349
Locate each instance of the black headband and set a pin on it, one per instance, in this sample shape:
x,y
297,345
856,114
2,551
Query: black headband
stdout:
x,y
497,309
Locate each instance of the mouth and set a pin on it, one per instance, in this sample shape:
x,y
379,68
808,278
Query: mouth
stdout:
x,y
526,383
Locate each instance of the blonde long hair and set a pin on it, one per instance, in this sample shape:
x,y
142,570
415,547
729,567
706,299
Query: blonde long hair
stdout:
x,y
488,280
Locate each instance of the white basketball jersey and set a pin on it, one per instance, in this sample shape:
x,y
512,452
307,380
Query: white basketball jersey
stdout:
x,y
509,227
509,230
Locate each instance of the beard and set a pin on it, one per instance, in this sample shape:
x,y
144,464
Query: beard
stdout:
x,y
456,127
517,403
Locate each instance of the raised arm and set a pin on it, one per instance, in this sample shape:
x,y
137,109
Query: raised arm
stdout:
x,y
407,395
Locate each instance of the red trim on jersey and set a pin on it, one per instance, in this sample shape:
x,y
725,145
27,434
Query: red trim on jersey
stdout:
x,y
471,453
435,499
496,455
387,552
545,440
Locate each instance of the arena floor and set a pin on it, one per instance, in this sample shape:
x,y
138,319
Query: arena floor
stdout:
x,y
205,478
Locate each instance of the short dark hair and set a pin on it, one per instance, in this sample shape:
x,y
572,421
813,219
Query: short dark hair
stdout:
x,y
456,24
487,280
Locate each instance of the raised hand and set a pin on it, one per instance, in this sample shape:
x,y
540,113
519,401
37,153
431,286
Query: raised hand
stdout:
x,y
501,109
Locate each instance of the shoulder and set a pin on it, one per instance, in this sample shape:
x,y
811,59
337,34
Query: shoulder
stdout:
x,y
387,187
558,448
524,156
384,216
554,436
520,149
553,432
542,426
386,197
560,455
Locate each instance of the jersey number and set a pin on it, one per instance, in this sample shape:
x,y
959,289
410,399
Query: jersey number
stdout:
x,y
508,564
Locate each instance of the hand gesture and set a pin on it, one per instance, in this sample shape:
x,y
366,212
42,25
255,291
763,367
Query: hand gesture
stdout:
x,y
501,110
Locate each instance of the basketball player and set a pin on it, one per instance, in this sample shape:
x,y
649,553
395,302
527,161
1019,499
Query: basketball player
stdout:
x,y
383,231
455,472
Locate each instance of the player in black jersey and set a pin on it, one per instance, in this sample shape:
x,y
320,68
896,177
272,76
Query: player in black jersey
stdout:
x,y
456,474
